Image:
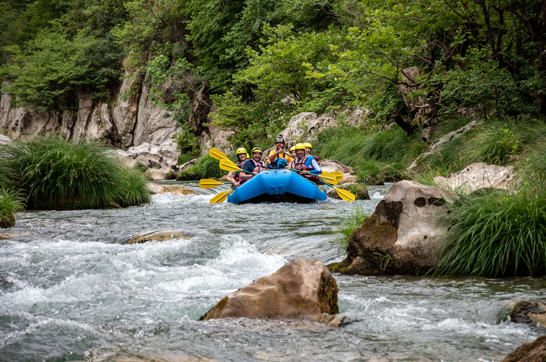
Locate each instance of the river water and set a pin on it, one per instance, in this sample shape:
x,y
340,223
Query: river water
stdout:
x,y
70,289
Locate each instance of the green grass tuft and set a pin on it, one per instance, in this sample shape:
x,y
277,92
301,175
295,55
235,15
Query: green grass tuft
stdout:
x,y
56,174
496,234
349,225
10,203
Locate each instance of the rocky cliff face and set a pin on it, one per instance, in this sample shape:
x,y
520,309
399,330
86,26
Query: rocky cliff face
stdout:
x,y
129,121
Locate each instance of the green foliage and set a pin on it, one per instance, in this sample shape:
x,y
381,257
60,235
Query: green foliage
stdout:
x,y
204,167
10,203
188,142
55,174
496,234
376,155
349,225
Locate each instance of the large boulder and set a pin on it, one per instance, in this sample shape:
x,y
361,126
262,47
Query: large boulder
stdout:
x,y
529,352
349,174
306,126
479,176
300,289
161,160
403,235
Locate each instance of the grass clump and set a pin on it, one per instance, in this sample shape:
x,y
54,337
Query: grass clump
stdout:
x,y
205,167
349,225
496,234
376,155
56,174
10,203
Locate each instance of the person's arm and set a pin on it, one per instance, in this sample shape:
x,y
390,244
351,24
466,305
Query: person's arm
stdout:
x,y
316,168
247,166
273,155
231,177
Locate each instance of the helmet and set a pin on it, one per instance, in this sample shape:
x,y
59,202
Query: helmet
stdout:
x,y
279,139
240,150
307,144
256,149
247,155
299,146
293,148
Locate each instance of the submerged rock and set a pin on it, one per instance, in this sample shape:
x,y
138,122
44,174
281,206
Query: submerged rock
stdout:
x,y
479,176
529,352
161,235
301,289
174,189
403,235
532,312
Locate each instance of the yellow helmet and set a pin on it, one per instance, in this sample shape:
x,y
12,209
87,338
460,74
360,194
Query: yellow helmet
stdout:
x,y
247,155
299,146
256,149
293,148
240,150
307,144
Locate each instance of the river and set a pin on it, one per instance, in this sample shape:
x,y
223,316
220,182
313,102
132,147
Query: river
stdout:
x,y
70,289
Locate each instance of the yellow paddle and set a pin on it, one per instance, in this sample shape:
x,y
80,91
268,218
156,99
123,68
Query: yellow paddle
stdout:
x,y
221,197
344,194
217,154
228,165
209,183
324,177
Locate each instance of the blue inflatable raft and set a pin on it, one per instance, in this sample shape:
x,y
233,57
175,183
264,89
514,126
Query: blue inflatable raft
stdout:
x,y
277,186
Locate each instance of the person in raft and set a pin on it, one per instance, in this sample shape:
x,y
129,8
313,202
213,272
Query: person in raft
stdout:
x,y
309,149
278,158
293,151
233,176
306,163
252,166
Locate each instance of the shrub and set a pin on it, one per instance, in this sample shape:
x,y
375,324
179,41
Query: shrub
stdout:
x,y
10,203
349,225
496,234
56,174
205,167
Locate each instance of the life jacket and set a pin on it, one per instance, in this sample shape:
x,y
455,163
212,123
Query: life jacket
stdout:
x,y
236,173
258,166
278,163
299,164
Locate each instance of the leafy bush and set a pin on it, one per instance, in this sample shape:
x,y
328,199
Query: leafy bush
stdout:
x,y
10,202
56,174
205,167
496,234
351,223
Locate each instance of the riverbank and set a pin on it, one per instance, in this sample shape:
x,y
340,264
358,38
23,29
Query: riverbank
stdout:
x,y
74,289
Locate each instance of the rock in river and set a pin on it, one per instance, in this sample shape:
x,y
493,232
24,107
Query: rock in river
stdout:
x,y
161,235
174,189
532,312
300,289
529,352
403,235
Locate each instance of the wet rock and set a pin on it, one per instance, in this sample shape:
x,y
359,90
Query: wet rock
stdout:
x,y
403,235
529,352
306,126
161,235
359,190
349,175
532,312
479,176
173,189
11,236
301,289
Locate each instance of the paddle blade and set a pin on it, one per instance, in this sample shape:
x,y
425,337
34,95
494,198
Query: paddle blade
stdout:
x,y
338,175
328,178
345,195
217,154
219,198
227,165
208,183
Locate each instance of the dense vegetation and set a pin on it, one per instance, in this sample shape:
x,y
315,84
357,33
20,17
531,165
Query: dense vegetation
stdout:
x,y
52,173
10,203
